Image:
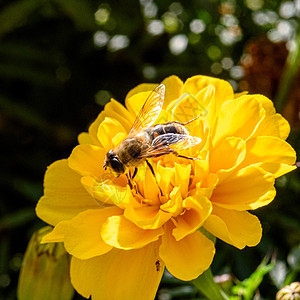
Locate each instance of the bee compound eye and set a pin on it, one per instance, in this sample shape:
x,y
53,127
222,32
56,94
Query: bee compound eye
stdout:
x,y
117,166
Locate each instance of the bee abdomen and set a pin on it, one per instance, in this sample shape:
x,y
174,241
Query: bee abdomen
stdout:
x,y
171,127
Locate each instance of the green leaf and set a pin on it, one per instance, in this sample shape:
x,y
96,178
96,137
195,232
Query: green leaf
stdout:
x,y
16,14
80,12
247,287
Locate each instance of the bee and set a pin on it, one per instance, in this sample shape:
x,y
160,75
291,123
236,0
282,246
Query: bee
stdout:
x,y
146,140
157,265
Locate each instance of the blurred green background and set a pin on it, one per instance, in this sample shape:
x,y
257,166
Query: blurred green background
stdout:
x,y
62,60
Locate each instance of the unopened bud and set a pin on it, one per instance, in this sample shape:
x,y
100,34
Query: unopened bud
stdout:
x,y
289,292
45,271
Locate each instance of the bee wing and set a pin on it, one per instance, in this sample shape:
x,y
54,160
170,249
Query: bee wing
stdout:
x,y
163,143
150,110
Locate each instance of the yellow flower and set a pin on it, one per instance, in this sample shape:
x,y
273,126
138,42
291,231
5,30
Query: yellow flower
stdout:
x,y
122,238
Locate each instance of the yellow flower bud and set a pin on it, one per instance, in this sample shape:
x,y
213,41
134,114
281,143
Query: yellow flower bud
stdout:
x,y
289,292
45,270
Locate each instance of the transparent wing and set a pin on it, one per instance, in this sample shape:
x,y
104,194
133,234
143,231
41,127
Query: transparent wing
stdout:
x,y
150,110
166,143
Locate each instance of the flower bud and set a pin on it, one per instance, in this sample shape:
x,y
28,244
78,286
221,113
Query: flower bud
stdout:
x,y
45,271
289,292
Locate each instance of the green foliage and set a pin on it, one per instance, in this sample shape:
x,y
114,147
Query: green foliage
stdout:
x,y
247,288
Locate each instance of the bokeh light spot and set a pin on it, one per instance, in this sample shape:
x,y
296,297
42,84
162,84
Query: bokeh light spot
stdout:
x,y
216,68
287,9
254,4
178,43
213,52
149,72
102,15
101,38
170,21
118,42
197,26
155,27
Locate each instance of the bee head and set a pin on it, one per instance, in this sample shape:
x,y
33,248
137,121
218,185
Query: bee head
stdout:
x,y
113,163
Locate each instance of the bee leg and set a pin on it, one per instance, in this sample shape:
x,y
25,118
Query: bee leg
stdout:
x,y
152,171
135,172
129,180
187,157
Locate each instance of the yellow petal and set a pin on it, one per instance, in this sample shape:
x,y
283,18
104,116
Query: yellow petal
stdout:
x,y
56,235
187,258
182,178
151,190
207,97
135,102
87,160
198,208
147,217
173,86
143,87
233,148
238,228
119,274
223,90
165,177
117,111
123,234
188,106
239,118
273,125
108,129
174,205
270,153
84,138
201,171
83,233
248,188
64,196
94,127
108,190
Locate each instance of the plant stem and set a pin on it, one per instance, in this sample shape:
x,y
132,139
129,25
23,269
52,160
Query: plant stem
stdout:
x,y
289,73
207,286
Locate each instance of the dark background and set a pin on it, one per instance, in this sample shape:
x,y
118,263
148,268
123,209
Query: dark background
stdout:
x,y
61,61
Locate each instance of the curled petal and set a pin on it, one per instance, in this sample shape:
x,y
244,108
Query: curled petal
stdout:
x,y
272,124
197,210
147,217
270,153
110,133
233,148
173,86
83,233
188,258
123,234
238,228
56,235
119,274
87,160
248,188
64,196
239,118
223,90
182,178
114,109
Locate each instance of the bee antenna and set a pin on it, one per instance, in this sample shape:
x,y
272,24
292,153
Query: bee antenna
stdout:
x,y
190,121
